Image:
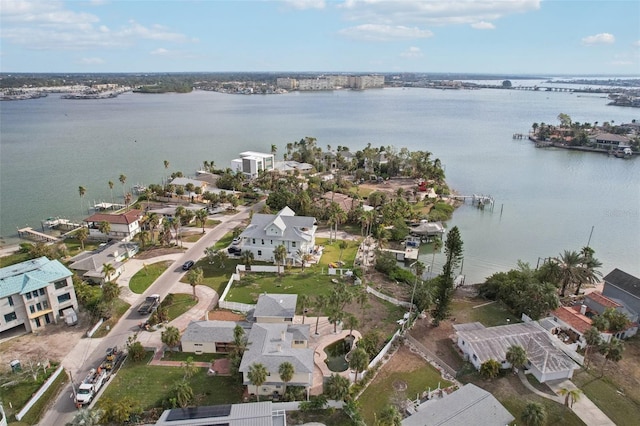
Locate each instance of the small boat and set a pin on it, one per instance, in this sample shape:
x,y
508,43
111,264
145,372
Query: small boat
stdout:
x,y
139,189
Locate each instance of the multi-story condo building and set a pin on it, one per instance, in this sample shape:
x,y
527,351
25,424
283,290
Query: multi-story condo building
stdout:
x,y
251,163
34,293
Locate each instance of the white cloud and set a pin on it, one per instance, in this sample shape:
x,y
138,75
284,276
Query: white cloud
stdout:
x,y
434,13
42,25
377,32
306,4
91,61
160,51
602,38
482,25
621,63
637,43
412,52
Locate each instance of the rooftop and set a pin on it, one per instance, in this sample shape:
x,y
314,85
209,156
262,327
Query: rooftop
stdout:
x,y
624,281
573,318
602,300
276,305
124,218
31,275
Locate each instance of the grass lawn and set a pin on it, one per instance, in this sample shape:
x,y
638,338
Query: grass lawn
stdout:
x,y
489,315
15,397
223,242
192,238
604,393
181,303
118,311
150,385
74,247
381,390
215,277
331,252
14,258
147,275
311,283
182,356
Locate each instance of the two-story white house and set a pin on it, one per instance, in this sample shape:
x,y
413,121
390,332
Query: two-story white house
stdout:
x,y
33,294
251,163
267,231
123,226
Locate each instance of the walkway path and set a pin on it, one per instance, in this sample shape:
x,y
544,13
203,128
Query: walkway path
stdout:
x,y
584,408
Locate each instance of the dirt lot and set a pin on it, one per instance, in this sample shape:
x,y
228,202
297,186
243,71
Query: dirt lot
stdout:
x,y
53,342
391,185
224,315
160,251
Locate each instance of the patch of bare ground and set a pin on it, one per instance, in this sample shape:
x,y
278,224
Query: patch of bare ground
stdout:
x,y
625,373
402,361
158,251
224,315
52,342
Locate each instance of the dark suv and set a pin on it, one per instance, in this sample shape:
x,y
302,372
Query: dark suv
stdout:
x,y
234,250
187,265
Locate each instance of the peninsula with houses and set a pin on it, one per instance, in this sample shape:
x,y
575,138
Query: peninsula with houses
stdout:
x,y
300,288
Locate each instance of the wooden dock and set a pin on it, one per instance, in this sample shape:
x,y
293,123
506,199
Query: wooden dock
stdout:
x,y
31,234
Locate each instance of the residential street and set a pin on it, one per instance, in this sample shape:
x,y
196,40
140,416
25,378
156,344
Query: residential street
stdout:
x,y
88,353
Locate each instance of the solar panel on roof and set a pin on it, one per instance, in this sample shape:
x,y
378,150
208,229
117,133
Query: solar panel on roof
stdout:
x,y
178,414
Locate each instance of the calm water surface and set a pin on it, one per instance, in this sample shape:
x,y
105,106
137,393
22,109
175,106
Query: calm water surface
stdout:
x,y
546,200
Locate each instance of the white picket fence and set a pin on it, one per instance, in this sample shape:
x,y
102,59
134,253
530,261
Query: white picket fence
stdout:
x,y
39,393
384,350
95,328
236,306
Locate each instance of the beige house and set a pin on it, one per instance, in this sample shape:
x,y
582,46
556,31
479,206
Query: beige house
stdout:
x,y
123,226
209,337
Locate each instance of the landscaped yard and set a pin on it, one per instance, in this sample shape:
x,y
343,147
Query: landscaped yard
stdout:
x,y
489,314
119,309
151,385
142,279
403,377
252,285
180,303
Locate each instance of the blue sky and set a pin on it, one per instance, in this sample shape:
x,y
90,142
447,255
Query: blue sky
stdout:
x,y
501,36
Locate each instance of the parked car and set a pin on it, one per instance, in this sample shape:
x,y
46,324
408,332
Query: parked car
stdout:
x,y
234,250
187,265
236,241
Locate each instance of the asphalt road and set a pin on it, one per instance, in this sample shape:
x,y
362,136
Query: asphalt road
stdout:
x,y
89,353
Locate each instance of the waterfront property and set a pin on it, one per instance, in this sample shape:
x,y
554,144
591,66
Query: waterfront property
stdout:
x,y
267,231
544,359
123,226
34,293
623,288
251,163
90,265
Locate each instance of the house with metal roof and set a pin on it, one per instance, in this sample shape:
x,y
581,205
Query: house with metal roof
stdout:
x,y
468,405
277,308
268,231
89,265
249,414
33,294
272,344
209,337
546,359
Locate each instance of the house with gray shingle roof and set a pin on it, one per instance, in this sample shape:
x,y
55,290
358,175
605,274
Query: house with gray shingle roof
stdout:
x,y
209,337
272,344
468,405
545,358
275,307
268,231
35,293
623,288
261,413
89,265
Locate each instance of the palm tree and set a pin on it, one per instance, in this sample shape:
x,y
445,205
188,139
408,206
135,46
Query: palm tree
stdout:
x,y
153,220
389,416
82,234
257,376
189,368
274,149
516,356
359,361
571,269
590,264
195,277
201,216
247,259
337,387
82,191
170,337
280,255
320,304
593,339
570,396
110,292
344,244
351,322
123,179
286,371
304,302
534,414
111,189
143,236
107,271
87,417
104,228
183,393
490,369
363,300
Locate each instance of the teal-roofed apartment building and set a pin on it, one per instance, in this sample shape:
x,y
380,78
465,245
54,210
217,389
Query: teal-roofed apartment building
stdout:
x,y
33,294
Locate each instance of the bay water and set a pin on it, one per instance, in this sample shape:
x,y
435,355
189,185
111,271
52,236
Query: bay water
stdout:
x,y
546,200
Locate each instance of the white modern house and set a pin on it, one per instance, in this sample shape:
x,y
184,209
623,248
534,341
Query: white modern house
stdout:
x,y
35,293
267,231
123,226
545,360
251,163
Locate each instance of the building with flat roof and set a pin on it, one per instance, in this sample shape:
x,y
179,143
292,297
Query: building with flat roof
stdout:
x,y
251,163
35,293
249,414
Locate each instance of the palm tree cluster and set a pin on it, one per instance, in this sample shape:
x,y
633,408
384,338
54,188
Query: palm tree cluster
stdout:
x,y
571,269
